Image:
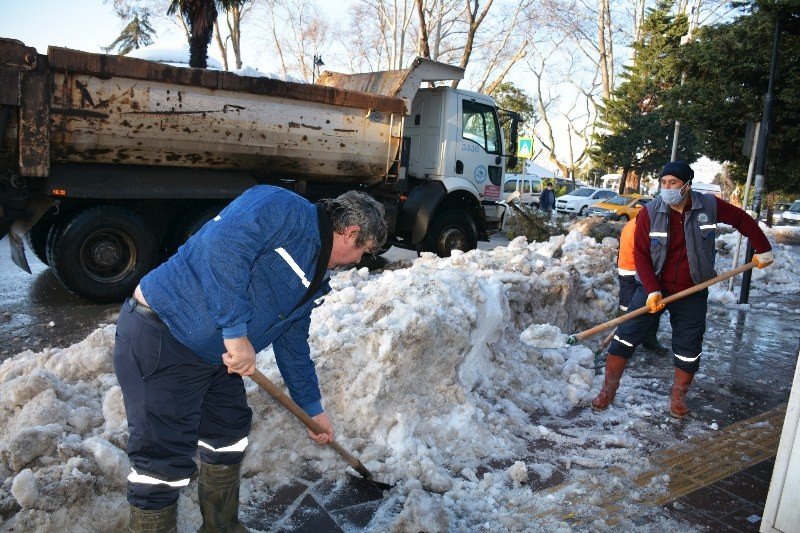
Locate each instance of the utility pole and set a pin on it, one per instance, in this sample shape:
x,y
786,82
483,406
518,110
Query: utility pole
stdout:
x,y
761,158
693,20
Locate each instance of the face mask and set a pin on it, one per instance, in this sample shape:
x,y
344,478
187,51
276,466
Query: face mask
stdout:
x,y
672,196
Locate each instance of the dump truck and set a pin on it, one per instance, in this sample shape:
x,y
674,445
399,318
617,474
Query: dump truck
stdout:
x,y
109,163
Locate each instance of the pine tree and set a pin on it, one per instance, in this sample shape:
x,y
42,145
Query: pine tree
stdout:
x,y
136,34
727,77
637,123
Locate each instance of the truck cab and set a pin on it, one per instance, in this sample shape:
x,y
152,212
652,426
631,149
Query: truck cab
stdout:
x,y
456,145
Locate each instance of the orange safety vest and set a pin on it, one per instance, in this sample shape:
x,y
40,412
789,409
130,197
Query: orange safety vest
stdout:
x,y
625,262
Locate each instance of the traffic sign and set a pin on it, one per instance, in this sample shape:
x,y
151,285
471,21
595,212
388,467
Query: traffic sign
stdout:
x,y
525,147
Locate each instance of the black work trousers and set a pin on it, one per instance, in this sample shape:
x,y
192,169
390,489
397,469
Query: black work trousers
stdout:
x,y
688,319
175,403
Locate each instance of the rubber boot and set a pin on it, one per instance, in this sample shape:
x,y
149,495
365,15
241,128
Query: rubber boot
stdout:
x,y
615,366
683,380
218,491
147,521
651,341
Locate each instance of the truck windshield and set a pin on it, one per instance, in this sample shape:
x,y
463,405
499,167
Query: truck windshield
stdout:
x,y
479,125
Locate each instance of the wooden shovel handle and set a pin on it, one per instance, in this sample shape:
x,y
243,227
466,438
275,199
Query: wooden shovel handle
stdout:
x,y
265,383
669,299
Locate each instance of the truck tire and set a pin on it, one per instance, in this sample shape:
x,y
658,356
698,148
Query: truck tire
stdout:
x,y
451,230
102,253
189,224
36,240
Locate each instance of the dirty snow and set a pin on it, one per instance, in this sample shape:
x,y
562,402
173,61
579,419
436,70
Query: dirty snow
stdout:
x,y
431,372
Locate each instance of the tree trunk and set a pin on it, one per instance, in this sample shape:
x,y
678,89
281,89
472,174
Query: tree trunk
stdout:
x,y
222,50
623,180
474,24
423,49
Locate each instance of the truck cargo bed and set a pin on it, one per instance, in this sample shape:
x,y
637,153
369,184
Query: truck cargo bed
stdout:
x,y
113,109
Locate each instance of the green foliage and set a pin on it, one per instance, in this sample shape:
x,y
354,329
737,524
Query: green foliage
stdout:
x,y
136,34
510,97
728,71
638,121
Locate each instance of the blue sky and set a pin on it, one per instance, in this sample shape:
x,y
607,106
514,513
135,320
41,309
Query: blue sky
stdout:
x,y
80,24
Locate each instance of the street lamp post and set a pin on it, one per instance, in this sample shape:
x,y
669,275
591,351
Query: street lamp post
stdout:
x,y
314,66
761,157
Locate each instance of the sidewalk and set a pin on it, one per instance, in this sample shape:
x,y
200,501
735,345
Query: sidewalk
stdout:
x,y
717,483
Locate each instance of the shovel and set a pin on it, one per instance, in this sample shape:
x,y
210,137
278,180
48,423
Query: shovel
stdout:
x,y
669,299
265,383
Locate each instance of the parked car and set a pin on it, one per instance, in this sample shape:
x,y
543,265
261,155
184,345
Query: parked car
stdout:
x,y
791,217
777,210
619,207
579,200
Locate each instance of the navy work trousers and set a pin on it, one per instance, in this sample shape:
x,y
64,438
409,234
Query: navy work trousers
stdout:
x,y
688,319
174,402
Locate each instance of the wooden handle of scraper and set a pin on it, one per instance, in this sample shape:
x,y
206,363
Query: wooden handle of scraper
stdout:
x,y
669,299
265,383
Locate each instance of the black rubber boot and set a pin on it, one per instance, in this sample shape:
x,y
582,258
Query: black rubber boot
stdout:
x,y
147,521
651,342
218,491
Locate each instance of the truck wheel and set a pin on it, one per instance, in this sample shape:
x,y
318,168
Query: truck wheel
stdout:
x,y
451,230
36,239
102,253
188,225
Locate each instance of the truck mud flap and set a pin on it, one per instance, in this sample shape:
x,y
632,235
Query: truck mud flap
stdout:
x,y
419,208
37,207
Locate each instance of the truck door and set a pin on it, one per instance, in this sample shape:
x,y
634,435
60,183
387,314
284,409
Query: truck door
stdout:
x,y
479,156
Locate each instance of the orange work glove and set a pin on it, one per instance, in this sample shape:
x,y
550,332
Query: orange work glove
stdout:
x,y
765,259
654,302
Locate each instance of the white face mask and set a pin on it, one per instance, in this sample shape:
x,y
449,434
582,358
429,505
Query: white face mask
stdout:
x,y
673,196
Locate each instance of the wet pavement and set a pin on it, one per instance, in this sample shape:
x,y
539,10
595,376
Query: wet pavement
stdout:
x,y
745,378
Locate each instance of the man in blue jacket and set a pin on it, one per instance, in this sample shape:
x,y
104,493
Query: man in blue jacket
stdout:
x,y
248,279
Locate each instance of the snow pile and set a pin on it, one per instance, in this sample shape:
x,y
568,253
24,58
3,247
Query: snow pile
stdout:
x,y
449,377
63,433
780,278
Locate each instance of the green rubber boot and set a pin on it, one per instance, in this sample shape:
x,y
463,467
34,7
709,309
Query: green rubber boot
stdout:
x,y
218,491
147,521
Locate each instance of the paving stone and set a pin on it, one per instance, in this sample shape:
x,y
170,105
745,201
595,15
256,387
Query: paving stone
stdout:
x,y
310,516
346,492
357,516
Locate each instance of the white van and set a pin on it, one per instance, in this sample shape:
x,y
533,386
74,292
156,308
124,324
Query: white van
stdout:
x,y
529,187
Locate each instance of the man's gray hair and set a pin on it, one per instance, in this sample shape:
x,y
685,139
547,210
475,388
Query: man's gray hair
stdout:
x,y
355,208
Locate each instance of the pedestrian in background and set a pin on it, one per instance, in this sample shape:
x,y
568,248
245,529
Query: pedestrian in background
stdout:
x,y
248,279
674,249
547,199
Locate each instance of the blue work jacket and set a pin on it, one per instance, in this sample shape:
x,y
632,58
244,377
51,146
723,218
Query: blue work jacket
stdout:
x,y
244,273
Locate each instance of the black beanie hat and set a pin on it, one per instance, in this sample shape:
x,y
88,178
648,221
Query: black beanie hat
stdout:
x,y
679,169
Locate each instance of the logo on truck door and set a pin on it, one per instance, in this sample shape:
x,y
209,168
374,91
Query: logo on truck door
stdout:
x,y
480,174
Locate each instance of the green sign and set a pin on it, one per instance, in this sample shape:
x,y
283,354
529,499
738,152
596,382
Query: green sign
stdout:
x,y
525,147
